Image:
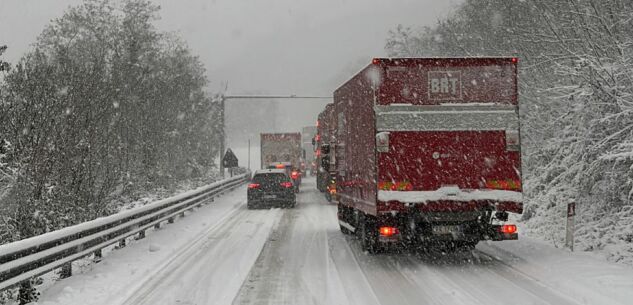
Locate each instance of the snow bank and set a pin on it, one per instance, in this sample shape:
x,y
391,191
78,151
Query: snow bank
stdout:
x,y
76,229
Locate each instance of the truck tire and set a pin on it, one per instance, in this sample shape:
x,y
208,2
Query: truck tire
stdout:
x,y
368,236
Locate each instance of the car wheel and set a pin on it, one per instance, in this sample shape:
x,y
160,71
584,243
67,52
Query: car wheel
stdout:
x,y
249,206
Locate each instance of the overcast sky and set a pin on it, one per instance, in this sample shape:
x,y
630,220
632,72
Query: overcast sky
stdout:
x,y
259,46
275,46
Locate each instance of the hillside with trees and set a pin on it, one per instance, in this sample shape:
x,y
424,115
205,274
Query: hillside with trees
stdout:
x,y
103,107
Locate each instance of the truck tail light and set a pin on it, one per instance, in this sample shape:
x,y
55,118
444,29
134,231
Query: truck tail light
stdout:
x,y
508,229
508,184
253,185
280,166
286,184
388,231
512,140
395,186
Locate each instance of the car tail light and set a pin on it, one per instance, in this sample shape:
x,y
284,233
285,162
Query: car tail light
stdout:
x,y
395,186
512,140
317,138
253,185
388,231
508,229
294,175
286,184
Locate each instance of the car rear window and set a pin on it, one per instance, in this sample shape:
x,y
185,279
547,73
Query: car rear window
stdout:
x,y
270,178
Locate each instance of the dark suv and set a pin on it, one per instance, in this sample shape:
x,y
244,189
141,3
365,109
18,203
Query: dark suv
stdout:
x,y
271,187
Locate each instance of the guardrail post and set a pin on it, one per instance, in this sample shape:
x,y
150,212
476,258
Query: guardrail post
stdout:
x,y
141,235
157,226
98,255
170,220
182,214
122,243
66,271
27,293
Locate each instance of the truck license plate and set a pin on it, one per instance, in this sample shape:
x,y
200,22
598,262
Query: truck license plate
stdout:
x,y
270,196
443,230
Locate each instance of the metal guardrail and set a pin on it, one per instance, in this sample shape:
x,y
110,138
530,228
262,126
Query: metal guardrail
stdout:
x,y
22,260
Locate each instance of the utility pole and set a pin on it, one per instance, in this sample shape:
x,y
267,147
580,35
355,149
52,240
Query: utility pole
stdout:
x,y
222,135
224,98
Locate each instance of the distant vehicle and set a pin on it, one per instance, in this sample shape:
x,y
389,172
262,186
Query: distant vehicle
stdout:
x,y
326,152
270,187
293,173
307,145
427,152
282,147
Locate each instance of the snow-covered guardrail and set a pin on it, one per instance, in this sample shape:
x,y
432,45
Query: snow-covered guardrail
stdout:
x,y
22,260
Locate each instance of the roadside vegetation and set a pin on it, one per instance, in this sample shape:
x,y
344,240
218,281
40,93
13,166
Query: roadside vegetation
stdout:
x,y
103,107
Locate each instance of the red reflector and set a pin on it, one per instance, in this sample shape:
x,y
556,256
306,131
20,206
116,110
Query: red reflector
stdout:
x,y
388,231
253,185
508,229
286,184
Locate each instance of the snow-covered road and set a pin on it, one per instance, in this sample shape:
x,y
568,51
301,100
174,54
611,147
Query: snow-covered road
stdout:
x,y
224,254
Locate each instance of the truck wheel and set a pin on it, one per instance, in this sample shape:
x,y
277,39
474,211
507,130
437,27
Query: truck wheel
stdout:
x,y
368,236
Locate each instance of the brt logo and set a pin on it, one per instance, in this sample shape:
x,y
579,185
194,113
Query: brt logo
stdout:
x,y
445,85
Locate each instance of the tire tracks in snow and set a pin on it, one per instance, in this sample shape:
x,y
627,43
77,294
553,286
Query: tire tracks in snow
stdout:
x,y
205,271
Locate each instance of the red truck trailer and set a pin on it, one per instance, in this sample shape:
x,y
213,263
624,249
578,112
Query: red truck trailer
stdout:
x,y
428,152
282,150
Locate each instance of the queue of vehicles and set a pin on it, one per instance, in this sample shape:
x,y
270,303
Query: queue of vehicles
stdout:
x,y
415,152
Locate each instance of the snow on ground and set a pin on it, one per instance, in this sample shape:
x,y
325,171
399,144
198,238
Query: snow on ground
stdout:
x,y
224,254
124,274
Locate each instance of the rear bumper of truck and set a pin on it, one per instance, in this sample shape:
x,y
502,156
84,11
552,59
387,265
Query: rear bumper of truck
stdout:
x,y
469,218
